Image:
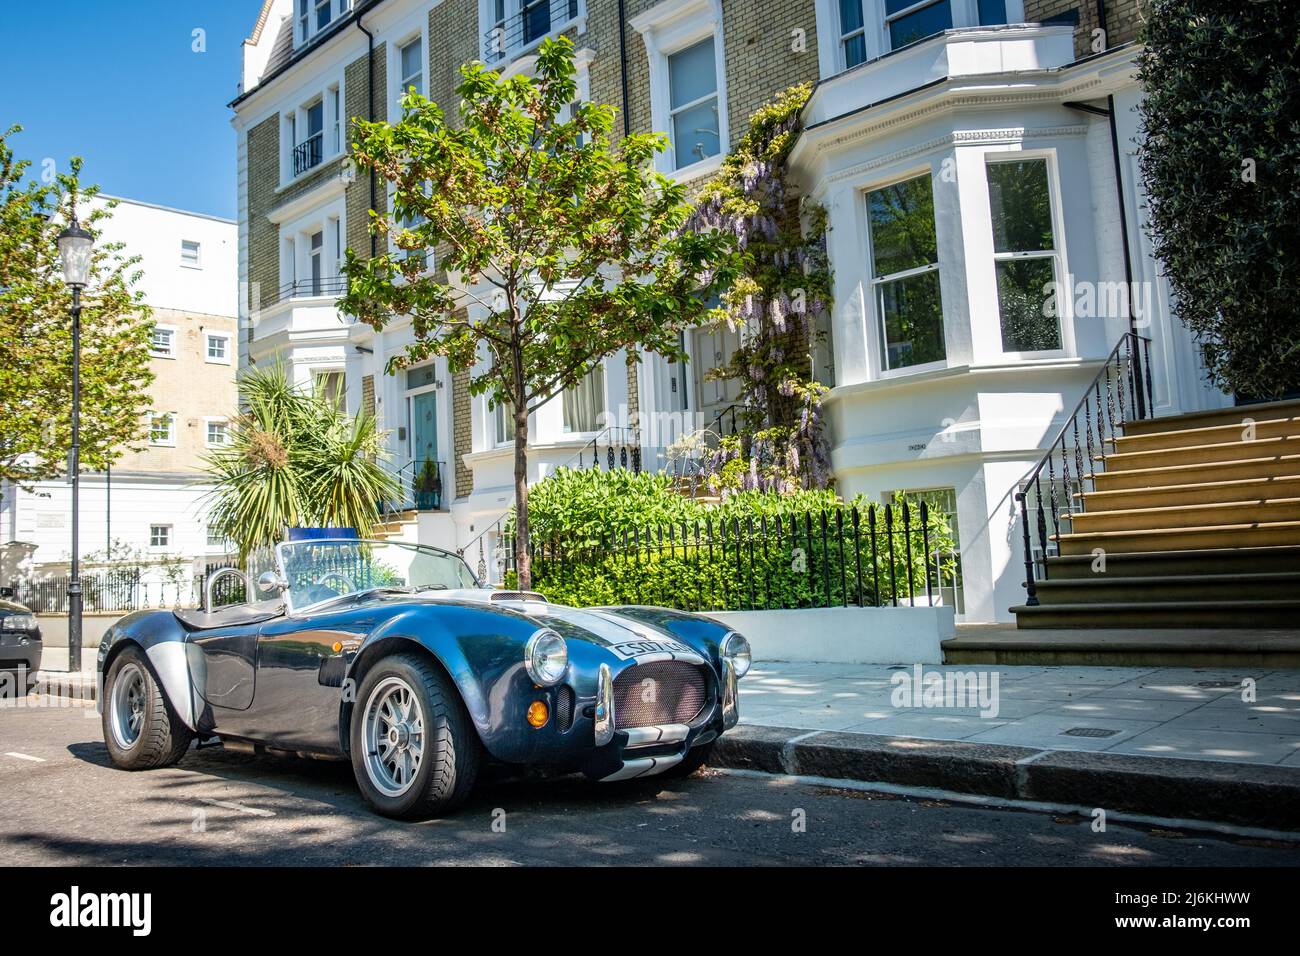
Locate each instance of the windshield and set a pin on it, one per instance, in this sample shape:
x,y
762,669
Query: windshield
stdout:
x,y
319,570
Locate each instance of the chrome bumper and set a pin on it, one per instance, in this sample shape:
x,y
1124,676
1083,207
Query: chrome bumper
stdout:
x,y
658,735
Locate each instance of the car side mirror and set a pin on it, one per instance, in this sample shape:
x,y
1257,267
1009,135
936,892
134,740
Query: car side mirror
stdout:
x,y
270,581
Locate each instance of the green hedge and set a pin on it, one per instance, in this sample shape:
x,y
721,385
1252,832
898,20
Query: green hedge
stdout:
x,y
619,538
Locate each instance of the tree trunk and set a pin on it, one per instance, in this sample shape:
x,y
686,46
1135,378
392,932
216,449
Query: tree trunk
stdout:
x,y
522,566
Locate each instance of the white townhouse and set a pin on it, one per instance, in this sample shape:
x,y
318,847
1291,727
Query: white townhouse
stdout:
x,y
976,157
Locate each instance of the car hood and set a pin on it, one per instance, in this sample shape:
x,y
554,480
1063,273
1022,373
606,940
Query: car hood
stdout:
x,y
627,638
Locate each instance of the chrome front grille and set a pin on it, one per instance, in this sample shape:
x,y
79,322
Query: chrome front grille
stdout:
x,y
661,692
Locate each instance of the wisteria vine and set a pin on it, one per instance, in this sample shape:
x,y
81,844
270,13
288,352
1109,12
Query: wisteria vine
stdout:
x,y
784,287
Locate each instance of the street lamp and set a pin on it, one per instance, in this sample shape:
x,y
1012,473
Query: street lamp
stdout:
x,y
74,253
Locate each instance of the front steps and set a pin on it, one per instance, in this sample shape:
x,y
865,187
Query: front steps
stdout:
x,y
1194,522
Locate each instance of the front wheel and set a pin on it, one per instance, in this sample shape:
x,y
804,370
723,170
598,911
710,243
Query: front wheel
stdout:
x,y
414,751
141,728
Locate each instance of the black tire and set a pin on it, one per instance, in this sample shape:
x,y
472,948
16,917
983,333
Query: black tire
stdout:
x,y
162,737
695,758
451,751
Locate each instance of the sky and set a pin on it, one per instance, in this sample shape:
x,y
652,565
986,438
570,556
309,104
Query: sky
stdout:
x,y
121,84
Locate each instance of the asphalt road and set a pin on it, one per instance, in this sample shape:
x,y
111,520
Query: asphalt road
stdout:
x,y
70,806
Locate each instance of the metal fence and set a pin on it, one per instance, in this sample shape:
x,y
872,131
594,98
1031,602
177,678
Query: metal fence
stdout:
x,y
130,589
849,556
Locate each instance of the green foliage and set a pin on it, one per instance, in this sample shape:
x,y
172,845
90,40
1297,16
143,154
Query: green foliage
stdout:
x,y
294,458
620,538
1222,121
36,330
783,288
557,246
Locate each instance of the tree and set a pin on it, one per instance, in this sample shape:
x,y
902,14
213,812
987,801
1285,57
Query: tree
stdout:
x,y
1222,124
294,458
36,330
559,248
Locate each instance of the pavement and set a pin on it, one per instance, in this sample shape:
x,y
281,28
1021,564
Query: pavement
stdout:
x,y
62,803
1190,713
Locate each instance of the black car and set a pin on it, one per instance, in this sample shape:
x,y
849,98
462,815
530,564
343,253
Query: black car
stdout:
x,y
20,638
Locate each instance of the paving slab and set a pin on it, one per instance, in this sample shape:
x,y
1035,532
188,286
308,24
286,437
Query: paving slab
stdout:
x,y
1244,747
1048,732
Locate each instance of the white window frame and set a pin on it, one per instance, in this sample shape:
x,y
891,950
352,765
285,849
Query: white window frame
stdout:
x,y
219,547
305,28
168,532
330,92
225,338
319,375
499,425
170,440
602,415
208,422
403,33
510,50
197,262
668,28
830,36
296,252
171,331
874,281
1060,267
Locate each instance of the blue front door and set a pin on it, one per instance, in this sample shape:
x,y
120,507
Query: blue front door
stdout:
x,y
424,445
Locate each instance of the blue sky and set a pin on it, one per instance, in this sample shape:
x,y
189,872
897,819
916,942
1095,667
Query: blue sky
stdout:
x,y
118,83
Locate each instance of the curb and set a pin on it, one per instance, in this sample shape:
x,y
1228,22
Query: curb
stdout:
x,y
1244,794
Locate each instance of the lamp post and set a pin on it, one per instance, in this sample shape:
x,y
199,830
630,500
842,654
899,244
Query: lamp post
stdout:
x,y
74,253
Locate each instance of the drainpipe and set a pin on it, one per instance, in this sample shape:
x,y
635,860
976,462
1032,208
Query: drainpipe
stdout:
x,y
370,113
1109,113
1101,23
622,63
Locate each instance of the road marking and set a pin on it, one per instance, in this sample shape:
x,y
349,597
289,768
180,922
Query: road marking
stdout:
x,y
19,756
251,811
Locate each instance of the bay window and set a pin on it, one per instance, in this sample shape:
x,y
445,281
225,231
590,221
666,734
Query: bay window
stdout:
x,y
905,266
1024,253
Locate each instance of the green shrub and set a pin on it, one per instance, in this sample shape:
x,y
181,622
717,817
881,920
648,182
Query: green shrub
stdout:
x,y
618,538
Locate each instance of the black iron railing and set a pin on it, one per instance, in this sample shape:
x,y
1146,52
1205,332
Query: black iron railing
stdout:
x,y
848,556
612,448
419,488
308,153
324,286
1120,392
535,20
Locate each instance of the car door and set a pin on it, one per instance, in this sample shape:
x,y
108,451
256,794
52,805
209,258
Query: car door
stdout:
x,y
299,679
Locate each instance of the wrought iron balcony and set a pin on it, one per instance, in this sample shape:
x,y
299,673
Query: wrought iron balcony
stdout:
x,y
529,25
325,286
308,153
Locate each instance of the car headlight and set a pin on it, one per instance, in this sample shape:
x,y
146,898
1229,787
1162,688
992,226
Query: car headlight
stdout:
x,y
20,622
736,649
546,657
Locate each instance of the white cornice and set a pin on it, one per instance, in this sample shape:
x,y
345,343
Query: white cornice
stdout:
x,y
323,192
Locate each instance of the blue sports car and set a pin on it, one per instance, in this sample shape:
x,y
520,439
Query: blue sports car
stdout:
x,y
393,656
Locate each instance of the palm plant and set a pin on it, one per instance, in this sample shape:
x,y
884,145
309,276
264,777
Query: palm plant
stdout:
x,y
294,458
